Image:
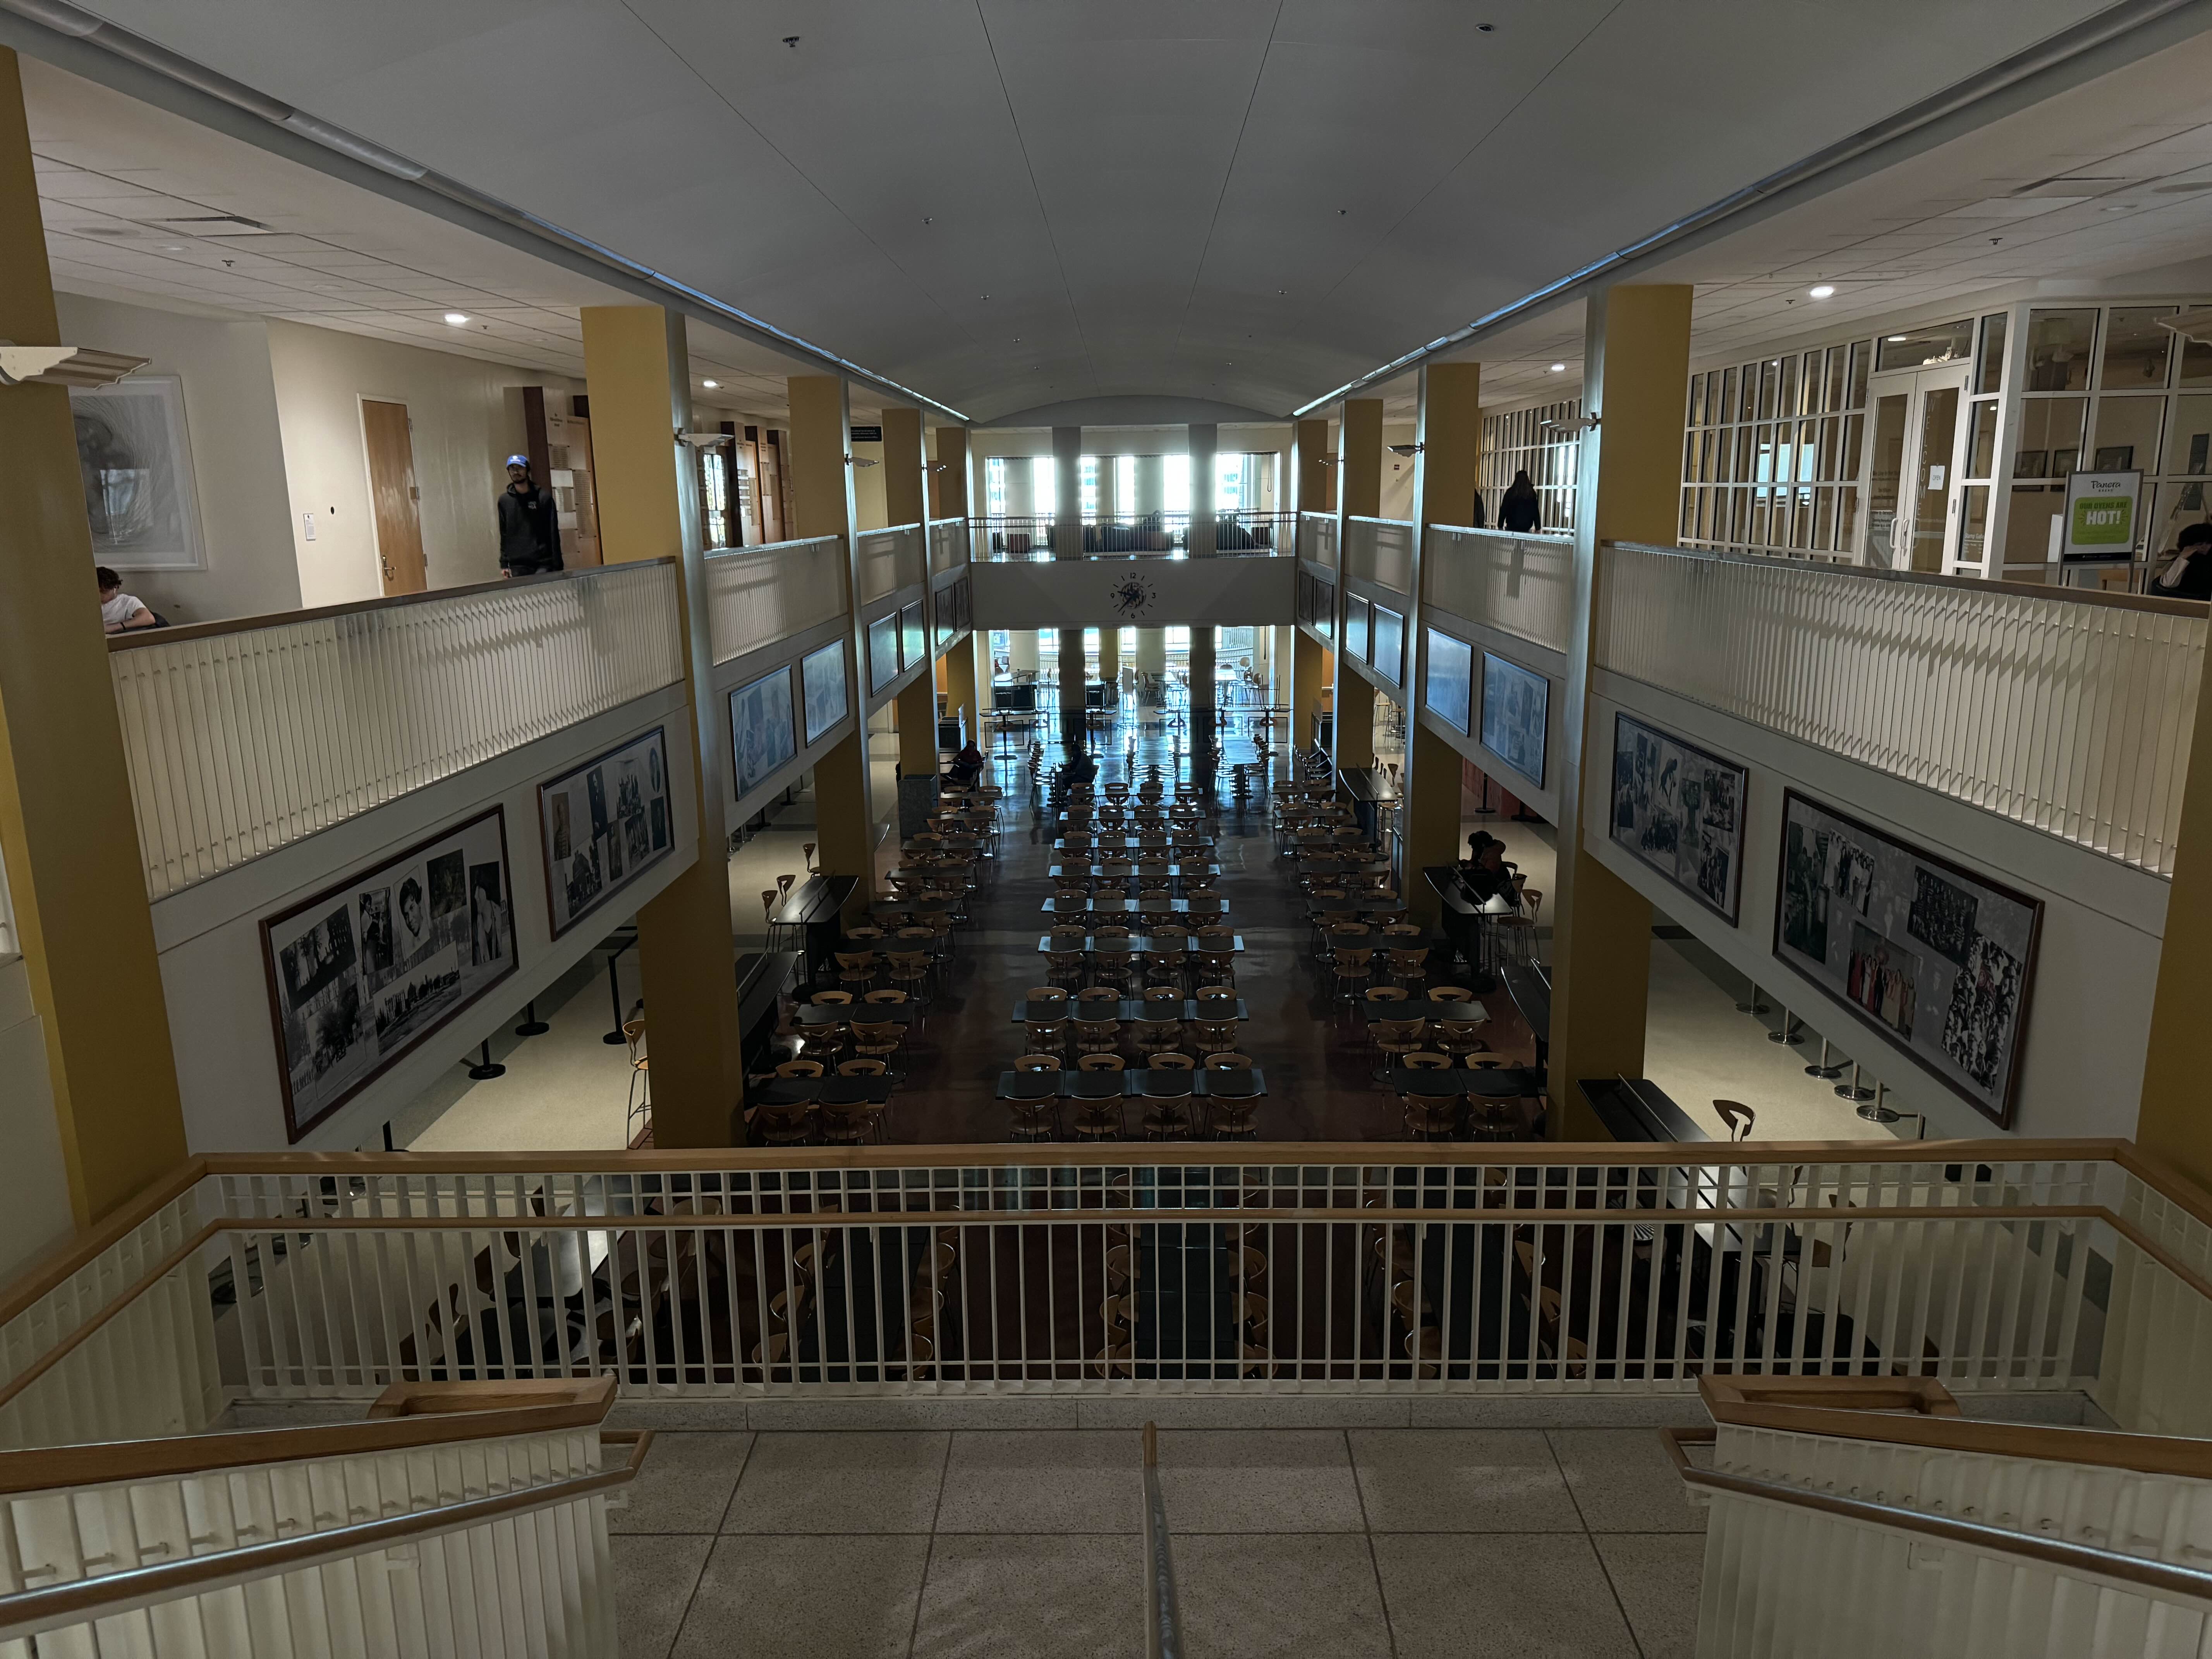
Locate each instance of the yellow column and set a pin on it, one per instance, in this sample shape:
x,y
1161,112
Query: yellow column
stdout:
x,y
822,505
1110,655
1362,457
905,497
1635,357
1355,716
1311,476
637,365
917,728
1359,496
948,483
2175,1124
1445,467
67,827
960,685
1310,668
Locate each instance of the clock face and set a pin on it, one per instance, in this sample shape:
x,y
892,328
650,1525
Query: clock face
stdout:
x,y
1131,596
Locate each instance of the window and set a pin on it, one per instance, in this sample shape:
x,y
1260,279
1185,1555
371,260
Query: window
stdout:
x,y
1920,348
1772,457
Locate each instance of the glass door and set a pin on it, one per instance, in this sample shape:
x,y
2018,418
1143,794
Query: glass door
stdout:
x,y
1913,468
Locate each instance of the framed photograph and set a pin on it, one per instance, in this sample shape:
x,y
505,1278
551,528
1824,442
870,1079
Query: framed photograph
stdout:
x,y
1355,627
1389,635
1936,959
882,651
761,734
1680,810
2032,464
913,646
604,824
1450,691
1517,705
137,463
360,974
822,681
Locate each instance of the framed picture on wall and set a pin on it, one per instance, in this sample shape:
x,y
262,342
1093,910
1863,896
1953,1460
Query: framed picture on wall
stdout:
x,y
822,679
603,825
1517,704
1450,691
1389,635
1680,810
135,460
1355,627
913,647
761,734
1935,959
882,651
363,973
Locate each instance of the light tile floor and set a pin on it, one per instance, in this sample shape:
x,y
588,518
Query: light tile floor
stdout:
x,y
1408,1542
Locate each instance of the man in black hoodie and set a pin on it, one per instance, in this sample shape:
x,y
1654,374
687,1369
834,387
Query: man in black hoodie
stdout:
x,y
529,542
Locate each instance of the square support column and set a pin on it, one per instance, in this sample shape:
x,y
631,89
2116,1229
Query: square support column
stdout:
x,y
68,829
1636,356
1205,440
1446,468
1068,492
948,478
1313,479
637,365
905,465
1359,495
960,686
916,707
1073,734
822,505
1311,666
2173,1123
1205,740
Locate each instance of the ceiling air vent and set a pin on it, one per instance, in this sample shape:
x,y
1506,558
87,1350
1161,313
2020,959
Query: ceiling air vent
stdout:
x,y
219,224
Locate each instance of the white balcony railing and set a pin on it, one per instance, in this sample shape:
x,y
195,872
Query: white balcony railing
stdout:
x,y
759,595
889,560
921,1272
2071,712
1237,534
1317,537
1380,551
1520,584
245,736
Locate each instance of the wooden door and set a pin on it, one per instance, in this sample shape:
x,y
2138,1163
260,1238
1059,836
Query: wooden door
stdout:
x,y
394,502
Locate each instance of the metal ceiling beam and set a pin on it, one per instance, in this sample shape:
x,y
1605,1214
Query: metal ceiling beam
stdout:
x,y
74,40
2111,40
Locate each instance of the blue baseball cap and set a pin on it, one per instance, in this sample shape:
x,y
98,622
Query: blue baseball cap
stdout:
x,y
522,461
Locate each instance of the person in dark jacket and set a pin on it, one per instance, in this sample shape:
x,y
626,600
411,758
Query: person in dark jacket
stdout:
x,y
1516,509
529,540
2189,575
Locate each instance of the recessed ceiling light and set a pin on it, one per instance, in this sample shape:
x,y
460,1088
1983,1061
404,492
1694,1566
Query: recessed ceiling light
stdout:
x,y
1484,28
1825,291
1558,368
710,385
1895,339
457,318
174,247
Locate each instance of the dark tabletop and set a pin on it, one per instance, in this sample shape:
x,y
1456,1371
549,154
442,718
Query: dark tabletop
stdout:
x,y
1027,1012
1123,907
1136,942
1443,1013
865,1013
1132,1085
833,1091
1496,1083
1097,872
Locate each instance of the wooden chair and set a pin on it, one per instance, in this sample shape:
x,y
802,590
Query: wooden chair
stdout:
x,y
1045,1036
1228,1060
847,1123
909,971
799,1068
783,1124
1099,1061
874,1044
1407,968
1036,1063
1094,1037
1738,1116
634,1116
1450,993
832,998
1353,970
1397,1038
1428,1117
1421,1060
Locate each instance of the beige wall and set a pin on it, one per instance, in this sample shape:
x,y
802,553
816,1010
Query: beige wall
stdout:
x,y
1397,472
238,462
869,511
37,1215
466,425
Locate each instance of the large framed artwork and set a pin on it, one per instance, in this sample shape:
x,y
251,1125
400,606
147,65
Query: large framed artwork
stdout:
x,y
913,647
822,681
1680,810
761,734
604,825
1935,959
360,974
882,651
135,460
1355,627
1517,704
1450,690
1389,644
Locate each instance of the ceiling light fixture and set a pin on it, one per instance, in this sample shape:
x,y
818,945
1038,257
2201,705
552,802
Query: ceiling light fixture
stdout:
x,y
711,385
1485,28
1558,368
1895,339
1825,291
457,318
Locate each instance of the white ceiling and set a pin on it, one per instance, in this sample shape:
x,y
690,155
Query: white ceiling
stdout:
x,y
1247,200
136,202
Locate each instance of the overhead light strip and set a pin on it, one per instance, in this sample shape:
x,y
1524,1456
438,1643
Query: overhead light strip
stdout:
x,y
74,23
2113,24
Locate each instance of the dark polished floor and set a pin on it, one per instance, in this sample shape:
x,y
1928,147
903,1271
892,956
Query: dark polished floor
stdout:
x,y
1313,1051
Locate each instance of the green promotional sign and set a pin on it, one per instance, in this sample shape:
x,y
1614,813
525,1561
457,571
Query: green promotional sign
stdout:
x,y
2101,514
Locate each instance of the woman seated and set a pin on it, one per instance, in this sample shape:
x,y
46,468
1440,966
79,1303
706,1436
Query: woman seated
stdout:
x,y
967,765
1485,872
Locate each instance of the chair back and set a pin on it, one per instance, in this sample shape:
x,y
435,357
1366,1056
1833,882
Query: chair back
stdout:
x,y
1738,1116
862,1067
833,998
1171,1062
1228,1060
1037,1063
1099,1063
799,1068
885,998
1450,993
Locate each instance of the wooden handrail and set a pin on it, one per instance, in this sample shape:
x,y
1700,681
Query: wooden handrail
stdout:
x,y
2132,1571
406,1418
1867,1409
57,1265
139,638
27,1612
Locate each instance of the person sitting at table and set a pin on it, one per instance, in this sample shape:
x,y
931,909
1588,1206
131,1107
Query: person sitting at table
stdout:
x,y
1081,771
1485,872
967,765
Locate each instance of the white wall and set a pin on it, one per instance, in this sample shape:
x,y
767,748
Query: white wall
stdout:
x,y
1095,592
238,461
208,937
2096,961
37,1215
466,425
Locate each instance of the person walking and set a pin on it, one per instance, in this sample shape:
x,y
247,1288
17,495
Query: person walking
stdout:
x,y
1517,510
529,539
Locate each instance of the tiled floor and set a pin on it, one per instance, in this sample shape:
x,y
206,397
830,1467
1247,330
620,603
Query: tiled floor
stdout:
x,y
1411,1543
